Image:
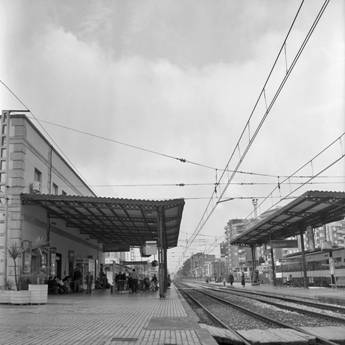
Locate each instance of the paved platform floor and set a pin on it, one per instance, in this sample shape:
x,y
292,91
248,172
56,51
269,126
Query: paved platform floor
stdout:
x,y
103,319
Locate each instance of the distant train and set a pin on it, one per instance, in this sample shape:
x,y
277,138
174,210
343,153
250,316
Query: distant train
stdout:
x,y
324,268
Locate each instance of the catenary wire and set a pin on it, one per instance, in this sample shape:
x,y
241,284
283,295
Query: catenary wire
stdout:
x,y
339,138
207,184
47,133
183,160
202,222
141,148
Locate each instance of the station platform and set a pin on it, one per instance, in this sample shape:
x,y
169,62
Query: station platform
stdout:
x,y
321,294
103,319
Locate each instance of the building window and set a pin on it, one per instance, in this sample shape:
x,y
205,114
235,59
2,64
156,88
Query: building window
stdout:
x,y
55,189
2,165
2,178
63,193
3,153
37,176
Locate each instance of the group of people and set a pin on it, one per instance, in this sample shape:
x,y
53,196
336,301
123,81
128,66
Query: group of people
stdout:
x,y
59,286
230,279
124,281
68,284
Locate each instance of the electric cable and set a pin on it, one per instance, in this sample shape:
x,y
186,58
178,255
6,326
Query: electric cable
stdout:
x,y
205,184
333,143
202,222
141,148
47,133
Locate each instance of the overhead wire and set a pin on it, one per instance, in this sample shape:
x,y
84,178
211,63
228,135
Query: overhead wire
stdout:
x,y
155,152
44,130
141,148
203,221
206,184
333,143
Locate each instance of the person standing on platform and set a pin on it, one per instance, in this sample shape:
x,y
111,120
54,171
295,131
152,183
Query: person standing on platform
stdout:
x,y
154,283
231,278
110,279
89,279
134,281
77,280
123,279
117,280
243,280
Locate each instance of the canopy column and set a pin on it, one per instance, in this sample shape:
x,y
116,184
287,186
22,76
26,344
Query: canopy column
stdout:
x,y
273,267
48,232
162,253
304,264
253,249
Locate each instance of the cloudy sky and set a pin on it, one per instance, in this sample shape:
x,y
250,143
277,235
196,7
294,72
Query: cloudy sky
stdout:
x,y
179,78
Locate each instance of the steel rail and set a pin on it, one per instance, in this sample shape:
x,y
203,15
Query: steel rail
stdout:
x,y
325,306
214,317
330,307
321,340
282,306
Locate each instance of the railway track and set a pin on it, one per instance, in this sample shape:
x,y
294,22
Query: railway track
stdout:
x,y
325,306
216,320
308,308
198,297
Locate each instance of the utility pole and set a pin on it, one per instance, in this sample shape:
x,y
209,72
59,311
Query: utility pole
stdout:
x,y
255,205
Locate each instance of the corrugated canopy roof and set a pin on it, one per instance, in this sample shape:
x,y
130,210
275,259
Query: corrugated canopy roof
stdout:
x,y
313,208
116,223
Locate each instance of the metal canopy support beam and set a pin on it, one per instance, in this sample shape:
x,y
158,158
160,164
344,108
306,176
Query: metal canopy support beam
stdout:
x,y
48,232
304,265
313,208
110,220
252,247
273,267
161,252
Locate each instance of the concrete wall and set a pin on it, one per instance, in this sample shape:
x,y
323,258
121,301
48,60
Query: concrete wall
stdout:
x,y
35,225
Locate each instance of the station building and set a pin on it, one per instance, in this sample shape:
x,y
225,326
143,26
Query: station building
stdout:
x,y
30,164
58,223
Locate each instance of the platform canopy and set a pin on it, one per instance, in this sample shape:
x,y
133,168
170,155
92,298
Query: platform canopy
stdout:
x,y
313,208
116,223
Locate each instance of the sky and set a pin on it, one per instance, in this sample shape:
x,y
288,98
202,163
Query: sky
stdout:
x,y
181,78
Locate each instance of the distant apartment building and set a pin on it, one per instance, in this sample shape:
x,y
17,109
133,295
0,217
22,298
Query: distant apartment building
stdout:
x,y
240,258
235,256
200,265
218,271
332,234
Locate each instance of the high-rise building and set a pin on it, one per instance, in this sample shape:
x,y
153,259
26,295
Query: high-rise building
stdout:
x,y
235,256
332,234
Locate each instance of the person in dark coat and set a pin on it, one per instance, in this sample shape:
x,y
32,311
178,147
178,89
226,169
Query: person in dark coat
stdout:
x,y
243,280
231,278
89,279
134,282
77,279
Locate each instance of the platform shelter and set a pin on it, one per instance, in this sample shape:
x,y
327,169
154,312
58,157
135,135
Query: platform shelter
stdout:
x,y
311,209
117,224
